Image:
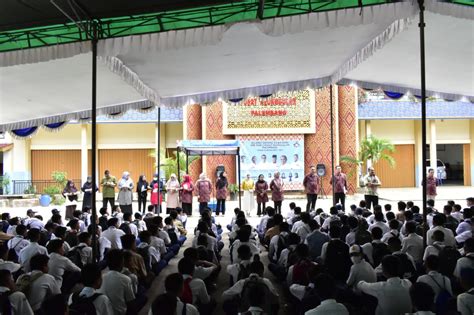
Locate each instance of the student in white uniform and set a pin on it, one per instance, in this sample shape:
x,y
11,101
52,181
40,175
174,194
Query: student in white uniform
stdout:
x,y
433,278
169,302
32,249
422,297
361,270
18,242
113,233
465,301
62,268
18,301
326,289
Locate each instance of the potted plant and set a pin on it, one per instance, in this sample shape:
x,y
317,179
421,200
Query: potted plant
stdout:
x,y
234,191
5,184
52,193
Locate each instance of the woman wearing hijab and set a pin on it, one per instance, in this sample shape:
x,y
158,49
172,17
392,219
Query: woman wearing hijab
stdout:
x,y
221,192
142,192
87,190
125,196
187,189
70,193
172,193
248,186
276,186
261,188
204,189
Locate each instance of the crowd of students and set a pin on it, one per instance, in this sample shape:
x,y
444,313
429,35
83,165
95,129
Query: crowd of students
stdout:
x,y
360,262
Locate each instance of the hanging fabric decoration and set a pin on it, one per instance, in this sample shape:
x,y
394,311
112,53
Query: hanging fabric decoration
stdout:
x,y
116,115
147,109
55,127
393,95
23,133
265,95
236,100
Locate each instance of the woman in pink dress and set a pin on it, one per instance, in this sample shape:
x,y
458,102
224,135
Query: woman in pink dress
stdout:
x,y
276,186
221,192
203,191
187,189
261,188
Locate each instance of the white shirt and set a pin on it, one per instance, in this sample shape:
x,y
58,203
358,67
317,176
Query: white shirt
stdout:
x,y
113,235
118,288
464,262
326,222
58,264
211,241
382,225
437,282
85,251
234,269
42,288
164,236
237,288
413,245
158,244
18,243
390,234
361,271
34,223
28,252
296,226
104,244
133,228
198,288
9,265
393,295
203,273
329,306
254,249
432,250
140,224
465,302
102,304
19,303
11,230
154,254
449,239
303,231
299,291
263,224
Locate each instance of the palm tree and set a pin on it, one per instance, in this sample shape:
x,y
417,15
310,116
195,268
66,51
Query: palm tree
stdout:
x,y
170,164
371,151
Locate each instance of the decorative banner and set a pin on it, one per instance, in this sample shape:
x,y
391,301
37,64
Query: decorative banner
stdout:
x,y
282,113
268,154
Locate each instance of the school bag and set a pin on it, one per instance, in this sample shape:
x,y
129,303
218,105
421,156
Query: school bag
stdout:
x,y
25,281
406,266
172,235
145,253
271,301
5,305
380,250
74,255
244,272
443,297
82,305
103,223
301,272
125,228
448,257
282,244
187,294
310,300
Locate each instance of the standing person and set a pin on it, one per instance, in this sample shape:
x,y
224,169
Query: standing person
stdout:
x,y
108,184
187,189
172,193
431,183
248,187
156,198
311,184
261,188
87,190
70,193
371,183
142,192
340,186
125,196
276,186
221,192
204,189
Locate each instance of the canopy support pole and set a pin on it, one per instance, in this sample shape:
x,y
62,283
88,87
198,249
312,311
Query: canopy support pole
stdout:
x,y
158,158
238,180
94,140
177,160
187,162
421,25
332,146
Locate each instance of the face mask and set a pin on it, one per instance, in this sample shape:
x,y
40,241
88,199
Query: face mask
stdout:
x,y
155,178
356,259
89,180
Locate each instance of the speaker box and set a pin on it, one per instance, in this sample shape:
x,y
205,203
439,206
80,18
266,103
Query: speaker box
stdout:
x,y
321,170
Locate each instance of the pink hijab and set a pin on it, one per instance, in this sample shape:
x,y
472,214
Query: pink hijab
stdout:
x,y
187,182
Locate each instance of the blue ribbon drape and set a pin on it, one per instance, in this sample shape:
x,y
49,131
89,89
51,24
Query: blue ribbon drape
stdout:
x,y
393,95
25,132
55,125
236,100
265,95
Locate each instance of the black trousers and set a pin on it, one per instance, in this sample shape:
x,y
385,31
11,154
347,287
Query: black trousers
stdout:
x,y
311,201
261,208
108,200
142,202
340,197
277,205
220,206
202,205
371,200
187,208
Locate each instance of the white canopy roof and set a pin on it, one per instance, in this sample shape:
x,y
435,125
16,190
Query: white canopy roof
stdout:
x,y
378,48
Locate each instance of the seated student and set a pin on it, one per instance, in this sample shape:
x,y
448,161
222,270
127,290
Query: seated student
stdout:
x,y
299,271
199,295
262,226
333,217
304,228
274,230
240,270
335,255
379,221
353,223
315,240
465,225
243,238
91,278
433,278
422,297
13,223
104,217
371,219
17,243
61,232
136,264
38,285
361,270
159,244
203,269
438,225
394,225
113,233
236,298
325,287
241,221
203,229
117,213
86,216
32,249
103,243
256,297
379,248
77,214
127,226
173,232
6,264
465,301
115,285
182,216
17,303
4,224
408,218
178,223
437,246
162,233
466,261
278,243
234,218
170,302
139,223
413,243
151,256
407,263
291,213
83,248
393,294
62,268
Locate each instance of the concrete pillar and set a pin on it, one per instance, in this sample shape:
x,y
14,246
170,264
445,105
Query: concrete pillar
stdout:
x,y
418,154
84,154
17,161
193,130
433,142
368,133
